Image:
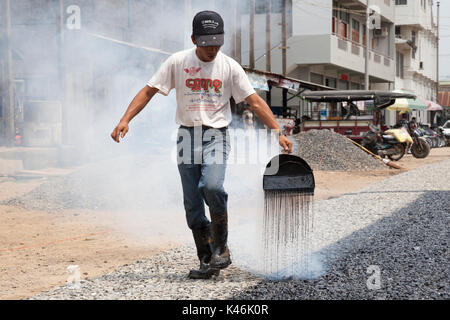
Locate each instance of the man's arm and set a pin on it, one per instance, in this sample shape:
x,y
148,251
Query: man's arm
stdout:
x,y
139,102
262,110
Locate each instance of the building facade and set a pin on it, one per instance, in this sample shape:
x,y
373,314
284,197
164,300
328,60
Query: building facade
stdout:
x,y
326,43
416,52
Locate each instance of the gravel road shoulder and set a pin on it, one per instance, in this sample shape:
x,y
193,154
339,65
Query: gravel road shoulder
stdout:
x,y
398,225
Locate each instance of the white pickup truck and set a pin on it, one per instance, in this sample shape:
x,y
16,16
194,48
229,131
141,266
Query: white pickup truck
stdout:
x,y
446,129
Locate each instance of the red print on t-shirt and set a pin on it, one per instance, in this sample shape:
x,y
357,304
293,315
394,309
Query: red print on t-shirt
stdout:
x,y
192,71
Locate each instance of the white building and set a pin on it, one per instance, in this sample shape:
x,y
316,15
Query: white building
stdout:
x,y
326,45
416,46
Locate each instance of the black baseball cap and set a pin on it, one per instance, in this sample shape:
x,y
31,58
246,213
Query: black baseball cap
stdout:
x,y
207,28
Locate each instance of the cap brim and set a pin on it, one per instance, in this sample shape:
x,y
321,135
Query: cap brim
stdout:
x,y
210,40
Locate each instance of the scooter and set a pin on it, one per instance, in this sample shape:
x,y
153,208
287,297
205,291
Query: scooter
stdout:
x,y
391,143
420,148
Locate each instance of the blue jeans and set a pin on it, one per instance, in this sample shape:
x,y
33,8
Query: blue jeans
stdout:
x,y
202,154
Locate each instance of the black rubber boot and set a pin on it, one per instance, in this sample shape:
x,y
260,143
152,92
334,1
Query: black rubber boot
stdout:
x,y
221,257
202,238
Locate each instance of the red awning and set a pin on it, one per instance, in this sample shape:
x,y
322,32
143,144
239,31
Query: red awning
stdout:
x,y
444,99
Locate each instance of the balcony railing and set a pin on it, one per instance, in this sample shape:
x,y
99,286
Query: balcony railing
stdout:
x,y
357,48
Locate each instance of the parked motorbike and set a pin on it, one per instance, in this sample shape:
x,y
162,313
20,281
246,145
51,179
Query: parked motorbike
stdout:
x,y
420,148
442,138
430,135
391,143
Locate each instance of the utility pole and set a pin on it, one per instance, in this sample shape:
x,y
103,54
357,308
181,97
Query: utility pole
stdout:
x,y
8,92
268,12
62,72
366,74
437,53
187,23
233,28
283,48
237,32
252,34
268,66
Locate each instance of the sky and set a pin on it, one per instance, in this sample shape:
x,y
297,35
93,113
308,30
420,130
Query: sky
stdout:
x,y
444,46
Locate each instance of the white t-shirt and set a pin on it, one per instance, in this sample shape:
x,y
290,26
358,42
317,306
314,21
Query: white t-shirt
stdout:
x,y
203,88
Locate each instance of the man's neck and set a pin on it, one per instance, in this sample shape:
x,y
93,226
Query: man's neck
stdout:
x,y
198,56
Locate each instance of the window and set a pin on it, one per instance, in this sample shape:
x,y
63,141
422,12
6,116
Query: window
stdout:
x,y
343,24
345,16
413,39
277,6
330,82
335,18
398,32
364,37
260,6
343,85
354,86
401,2
355,31
316,78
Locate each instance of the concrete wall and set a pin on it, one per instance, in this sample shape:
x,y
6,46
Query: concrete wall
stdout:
x,y
311,17
414,14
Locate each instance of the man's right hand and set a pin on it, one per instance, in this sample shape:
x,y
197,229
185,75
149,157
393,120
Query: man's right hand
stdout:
x,y
120,131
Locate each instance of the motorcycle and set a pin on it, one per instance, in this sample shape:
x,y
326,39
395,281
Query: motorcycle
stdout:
x,y
430,135
391,143
443,140
420,148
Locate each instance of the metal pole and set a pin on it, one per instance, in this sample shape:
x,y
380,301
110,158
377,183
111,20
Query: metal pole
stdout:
x,y
283,37
366,72
252,34
62,74
268,12
437,53
238,40
268,62
187,24
283,48
233,28
128,23
9,80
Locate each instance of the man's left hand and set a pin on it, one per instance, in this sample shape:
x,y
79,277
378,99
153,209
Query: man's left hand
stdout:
x,y
285,143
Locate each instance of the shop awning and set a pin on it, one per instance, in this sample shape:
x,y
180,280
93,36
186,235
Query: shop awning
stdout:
x,y
433,106
406,105
261,80
444,99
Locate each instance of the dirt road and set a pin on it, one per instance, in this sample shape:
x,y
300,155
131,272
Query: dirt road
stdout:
x,y
36,247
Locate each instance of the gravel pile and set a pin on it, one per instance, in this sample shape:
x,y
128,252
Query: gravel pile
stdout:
x,y
328,150
399,226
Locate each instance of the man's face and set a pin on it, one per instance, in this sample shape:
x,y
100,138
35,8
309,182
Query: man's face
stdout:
x,y
206,54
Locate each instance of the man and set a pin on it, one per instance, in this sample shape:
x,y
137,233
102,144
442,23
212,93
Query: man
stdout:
x,y
204,79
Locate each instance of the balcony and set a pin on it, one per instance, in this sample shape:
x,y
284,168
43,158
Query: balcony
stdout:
x,y
329,49
387,7
351,55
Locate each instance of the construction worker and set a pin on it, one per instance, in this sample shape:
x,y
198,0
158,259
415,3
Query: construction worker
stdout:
x,y
204,79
